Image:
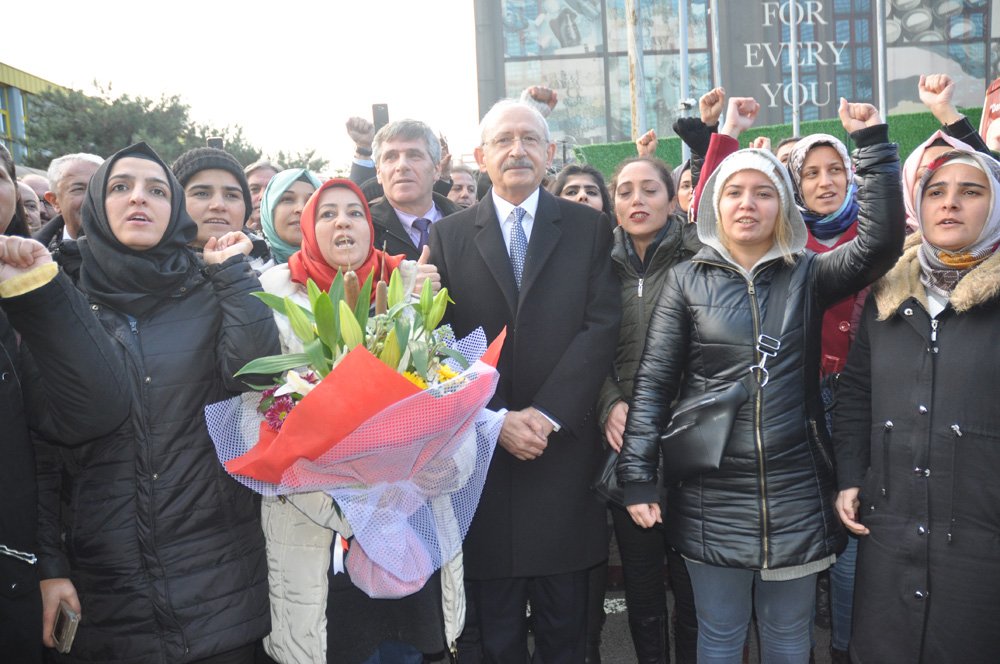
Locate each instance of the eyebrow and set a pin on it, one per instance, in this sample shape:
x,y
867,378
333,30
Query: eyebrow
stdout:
x,y
961,184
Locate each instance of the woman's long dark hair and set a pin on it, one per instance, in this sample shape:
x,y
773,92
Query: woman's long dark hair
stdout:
x,y
18,224
583,169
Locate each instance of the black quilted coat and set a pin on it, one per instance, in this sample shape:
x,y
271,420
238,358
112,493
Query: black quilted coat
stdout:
x,y
164,548
770,505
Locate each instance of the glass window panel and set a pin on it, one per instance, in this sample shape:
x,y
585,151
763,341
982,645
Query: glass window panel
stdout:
x,y
551,27
580,116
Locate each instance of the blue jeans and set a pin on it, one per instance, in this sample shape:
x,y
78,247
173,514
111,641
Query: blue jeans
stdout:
x,y
724,599
842,595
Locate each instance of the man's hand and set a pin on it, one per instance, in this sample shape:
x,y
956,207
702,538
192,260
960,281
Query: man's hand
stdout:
x,y
761,143
847,509
361,131
525,433
54,591
544,95
645,145
218,250
937,91
614,426
426,271
19,255
645,515
710,105
740,116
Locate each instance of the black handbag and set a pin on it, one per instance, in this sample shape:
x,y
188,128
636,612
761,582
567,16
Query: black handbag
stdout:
x,y
606,485
695,440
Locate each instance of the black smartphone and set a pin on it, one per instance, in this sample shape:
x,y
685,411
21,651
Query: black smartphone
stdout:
x,y
215,142
380,115
64,631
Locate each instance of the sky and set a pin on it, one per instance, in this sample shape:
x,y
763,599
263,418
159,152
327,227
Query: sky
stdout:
x,y
290,74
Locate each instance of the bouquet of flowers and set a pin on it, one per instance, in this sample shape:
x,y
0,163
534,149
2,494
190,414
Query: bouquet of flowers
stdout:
x,y
384,412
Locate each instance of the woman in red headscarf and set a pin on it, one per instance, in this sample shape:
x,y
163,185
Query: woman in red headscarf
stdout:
x,y
317,613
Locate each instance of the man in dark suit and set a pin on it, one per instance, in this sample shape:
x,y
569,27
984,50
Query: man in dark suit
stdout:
x,y
539,266
407,158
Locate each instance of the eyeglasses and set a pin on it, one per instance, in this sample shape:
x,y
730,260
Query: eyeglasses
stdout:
x,y
528,142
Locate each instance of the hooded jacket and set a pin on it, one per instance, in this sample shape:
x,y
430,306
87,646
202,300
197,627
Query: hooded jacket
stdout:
x,y
164,548
770,504
916,428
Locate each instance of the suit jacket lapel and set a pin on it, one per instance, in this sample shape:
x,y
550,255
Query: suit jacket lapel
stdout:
x,y
386,214
489,241
545,235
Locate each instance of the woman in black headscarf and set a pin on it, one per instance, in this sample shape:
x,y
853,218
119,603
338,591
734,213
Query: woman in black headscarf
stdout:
x,y
162,547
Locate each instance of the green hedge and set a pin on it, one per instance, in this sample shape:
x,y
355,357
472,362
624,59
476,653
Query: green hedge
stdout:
x,y
909,130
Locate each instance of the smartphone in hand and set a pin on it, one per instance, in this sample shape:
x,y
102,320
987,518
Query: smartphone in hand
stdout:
x,y
64,631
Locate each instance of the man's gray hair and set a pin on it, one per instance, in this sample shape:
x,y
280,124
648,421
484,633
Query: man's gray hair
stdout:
x,y
262,163
407,130
58,166
496,112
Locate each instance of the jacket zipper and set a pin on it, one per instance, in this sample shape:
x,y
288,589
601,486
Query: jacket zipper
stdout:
x,y
641,279
134,327
758,412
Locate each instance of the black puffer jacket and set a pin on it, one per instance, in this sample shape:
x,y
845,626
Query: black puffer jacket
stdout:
x,y
164,548
770,505
66,386
639,295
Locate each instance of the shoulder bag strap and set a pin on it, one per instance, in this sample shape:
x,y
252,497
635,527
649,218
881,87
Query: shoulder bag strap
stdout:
x,y
769,341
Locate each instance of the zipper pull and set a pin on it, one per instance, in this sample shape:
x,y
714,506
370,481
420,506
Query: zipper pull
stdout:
x,y
641,279
750,288
957,429
132,324
934,327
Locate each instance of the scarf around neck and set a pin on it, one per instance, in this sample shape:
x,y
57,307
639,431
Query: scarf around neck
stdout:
x,y
129,280
308,262
824,227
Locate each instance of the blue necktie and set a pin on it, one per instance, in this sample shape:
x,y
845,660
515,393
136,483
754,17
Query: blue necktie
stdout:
x,y
518,245
424,226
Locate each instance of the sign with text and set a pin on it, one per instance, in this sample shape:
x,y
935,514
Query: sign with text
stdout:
x,y
755,56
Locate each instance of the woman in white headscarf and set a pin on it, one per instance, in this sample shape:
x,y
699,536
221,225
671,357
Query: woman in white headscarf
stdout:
x,y
918,453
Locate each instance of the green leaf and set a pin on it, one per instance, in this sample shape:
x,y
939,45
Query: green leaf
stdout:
x,y
327,322
271,300
298,317
336,291
349,328
455,355
420,358
274,364
364,303
317,360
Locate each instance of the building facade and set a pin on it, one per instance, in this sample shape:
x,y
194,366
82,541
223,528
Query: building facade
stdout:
x,y
578,48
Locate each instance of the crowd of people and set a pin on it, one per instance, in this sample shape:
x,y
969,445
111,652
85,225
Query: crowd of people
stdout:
x,y
853,294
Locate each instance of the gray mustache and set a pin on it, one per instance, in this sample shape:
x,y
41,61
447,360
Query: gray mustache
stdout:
x,y
517,163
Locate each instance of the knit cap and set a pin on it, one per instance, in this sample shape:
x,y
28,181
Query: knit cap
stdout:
x,y
202,159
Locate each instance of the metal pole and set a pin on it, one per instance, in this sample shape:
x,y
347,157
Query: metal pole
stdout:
x,y
682,20
636,79
793,61
883,79
713,7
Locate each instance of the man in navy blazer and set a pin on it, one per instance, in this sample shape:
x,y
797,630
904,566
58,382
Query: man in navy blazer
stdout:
x,y
541,267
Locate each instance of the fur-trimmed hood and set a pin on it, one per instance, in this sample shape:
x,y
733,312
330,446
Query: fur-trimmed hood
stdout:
x,y
979,286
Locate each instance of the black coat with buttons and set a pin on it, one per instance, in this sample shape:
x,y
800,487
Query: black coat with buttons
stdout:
x,y
65,386
917,428
164,548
